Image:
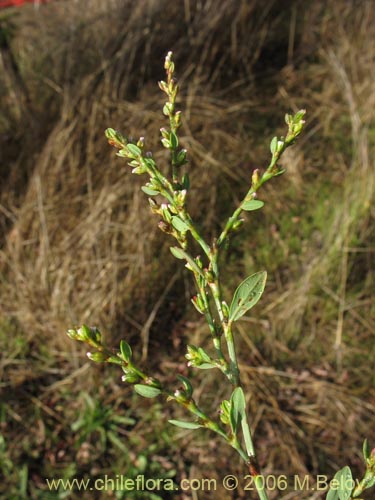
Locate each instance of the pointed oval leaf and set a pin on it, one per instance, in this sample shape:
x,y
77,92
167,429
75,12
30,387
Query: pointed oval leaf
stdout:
x,y
341,485
185,425
177,252
205,366
237,408
133,149
365,449
333,494
126,350
147,391
346,483
247,295
173,139
252,205
204,355
179,224
186,181
149,191
186,384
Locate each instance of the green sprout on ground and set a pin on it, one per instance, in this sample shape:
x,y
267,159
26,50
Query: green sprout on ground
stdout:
x,y
167,199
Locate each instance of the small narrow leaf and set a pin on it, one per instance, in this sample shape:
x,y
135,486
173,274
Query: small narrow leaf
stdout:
x,y
280,171
185,425
237,406
185,181
149,191
181,157
133,149
188,388
205,366
247,295
173,139
204,355
366,452
252,205
147,391
238,401
273,145
181,254
299,115
179,224
177,252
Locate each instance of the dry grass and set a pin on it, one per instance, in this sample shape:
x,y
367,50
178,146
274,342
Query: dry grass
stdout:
x,y
79,243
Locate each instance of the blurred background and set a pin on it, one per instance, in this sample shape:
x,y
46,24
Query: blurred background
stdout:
x,y
78,243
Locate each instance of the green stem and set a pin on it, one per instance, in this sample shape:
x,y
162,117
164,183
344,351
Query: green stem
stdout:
x,y
195,233
268,174
232,355
259,484
211,323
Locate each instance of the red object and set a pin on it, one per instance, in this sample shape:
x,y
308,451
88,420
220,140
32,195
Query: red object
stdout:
x,y
18,3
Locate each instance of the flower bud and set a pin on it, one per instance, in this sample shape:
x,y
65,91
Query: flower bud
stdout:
x,y
163,86
255,178
177,118
131,378
166,228
98,357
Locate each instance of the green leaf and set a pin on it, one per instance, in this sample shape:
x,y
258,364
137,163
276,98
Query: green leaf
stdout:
x,y
113,437
204,356
185,181
179,224
185,425
133,149
366,452
237,406
149,162
273,145
288,119
247,295
173,139
346,483
188,388
126,350
238,415
110,133
190,261
147,391
333,494
238,403
149,191
370,483
181,157
252,205
341,485
177,252
299,115
205,366
225,411
280,171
